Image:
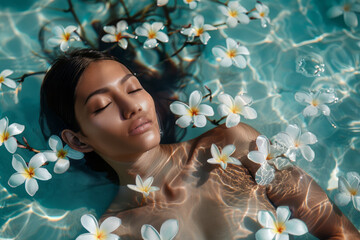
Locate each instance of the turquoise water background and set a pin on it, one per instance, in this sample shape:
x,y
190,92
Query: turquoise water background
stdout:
x,y
283,58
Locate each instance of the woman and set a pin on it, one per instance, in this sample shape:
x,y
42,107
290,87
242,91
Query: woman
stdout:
x,y
104,109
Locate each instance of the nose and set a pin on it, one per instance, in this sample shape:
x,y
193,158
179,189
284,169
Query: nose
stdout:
x,y
129,107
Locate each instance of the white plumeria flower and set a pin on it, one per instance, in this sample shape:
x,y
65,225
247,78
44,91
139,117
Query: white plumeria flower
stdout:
x,y
232,54
7,133
29,174
279,227
223,157
168,231
235,13
266,153
152,32
198,29
195,112
61,154
234,108
296,142
161,3
262,14
347,8
5,80
104,232
349,188
144,187
63,37
117,34
192,3
316,102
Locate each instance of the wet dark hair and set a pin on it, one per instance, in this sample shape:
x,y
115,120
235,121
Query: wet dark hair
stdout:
x,y
57,95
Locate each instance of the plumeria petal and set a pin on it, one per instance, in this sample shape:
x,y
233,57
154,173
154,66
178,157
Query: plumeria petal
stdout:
x,y
350,19
204,38
150,43
179,108
3,124
218,52
110,29
11,144
162,37
256,157
148,181
231,22
86,236
265,234
296,227
184,121
42,174
266,219
226,62
307,153
249,113
262,143
342,198
121,26
50,156
10,83
37,160
123,43
265,174
15,129
303,98
61,166
195,98
282,236
18,163
110,224
293,130
308,138
141,31
343,185
356,202
161,3
324,109
7,72
334,12
70,29
55,143
206,110
232,120
199,121
148,232
16,179
228,149
283,213
215,151
240,61
310,111
31,186
64,46
169,229
223,110
108,38
73,154
90,223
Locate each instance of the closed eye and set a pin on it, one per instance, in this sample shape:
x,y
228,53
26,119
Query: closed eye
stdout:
x,y
100,109
136,90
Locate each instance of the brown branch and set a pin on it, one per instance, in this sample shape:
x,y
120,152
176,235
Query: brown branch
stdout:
x,y
26,146
22,78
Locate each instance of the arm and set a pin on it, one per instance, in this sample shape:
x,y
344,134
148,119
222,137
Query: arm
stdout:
x,y
294,188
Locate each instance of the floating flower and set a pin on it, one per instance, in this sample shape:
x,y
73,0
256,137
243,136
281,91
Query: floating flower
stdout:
x,y
7,133
61,154
144,187
235,13
192,3
262,14
103,232
234,108
29,174
161,3
198,30
296,142
195,112
117,34
152,32
223,158
63,37
168,231
316,102
349,190
347,8
5,80
266,153
232,54
279,227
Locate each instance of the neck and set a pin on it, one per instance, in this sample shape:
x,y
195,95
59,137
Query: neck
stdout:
x,y
146,164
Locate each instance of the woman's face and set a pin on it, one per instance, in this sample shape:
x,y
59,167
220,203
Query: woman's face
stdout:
x,y
116,115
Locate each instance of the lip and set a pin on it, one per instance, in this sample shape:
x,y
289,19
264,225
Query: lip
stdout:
x,y
140,126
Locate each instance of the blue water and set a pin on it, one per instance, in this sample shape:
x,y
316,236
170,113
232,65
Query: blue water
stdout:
x,y
283,60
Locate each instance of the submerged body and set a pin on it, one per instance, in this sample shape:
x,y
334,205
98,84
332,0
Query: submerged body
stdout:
x,y
212,203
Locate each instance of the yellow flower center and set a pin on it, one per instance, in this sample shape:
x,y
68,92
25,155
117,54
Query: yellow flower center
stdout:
x,y
100,235
2,79
262,14
314,102
347,7
193,112
269,157
118,37
61,154
189,1
222,158
231,53
29,173
279,227
152,34
66,36
235,109
233,13
297,144
353,191
199,31
145,189
5,136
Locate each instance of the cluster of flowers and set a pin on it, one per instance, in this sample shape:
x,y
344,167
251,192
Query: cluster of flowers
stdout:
x,y
348,9
28,173
233,54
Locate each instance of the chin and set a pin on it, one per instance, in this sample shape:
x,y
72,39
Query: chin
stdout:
x,y
148,140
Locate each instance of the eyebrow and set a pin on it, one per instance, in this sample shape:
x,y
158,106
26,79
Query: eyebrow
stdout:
x,y
106,89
